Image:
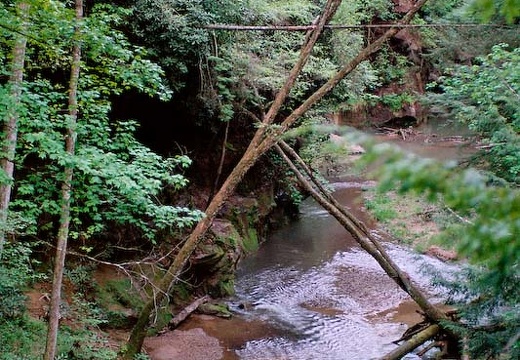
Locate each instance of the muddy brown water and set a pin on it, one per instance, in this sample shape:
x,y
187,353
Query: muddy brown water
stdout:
x,y
311,293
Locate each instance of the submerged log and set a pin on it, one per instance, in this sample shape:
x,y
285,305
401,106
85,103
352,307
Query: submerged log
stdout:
x,y
181,316
414,342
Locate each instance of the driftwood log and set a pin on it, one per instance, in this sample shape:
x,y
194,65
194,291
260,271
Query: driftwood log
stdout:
x,y
181,316
414,342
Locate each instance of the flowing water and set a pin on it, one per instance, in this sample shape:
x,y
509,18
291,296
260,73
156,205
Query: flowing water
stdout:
x,y
311,293
321,294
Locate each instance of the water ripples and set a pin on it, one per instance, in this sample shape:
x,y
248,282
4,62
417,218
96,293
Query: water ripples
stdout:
x,y
325,309
321,311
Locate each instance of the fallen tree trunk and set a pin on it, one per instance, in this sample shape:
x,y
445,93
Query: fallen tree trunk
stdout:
x,y
181,316
414,342
249,158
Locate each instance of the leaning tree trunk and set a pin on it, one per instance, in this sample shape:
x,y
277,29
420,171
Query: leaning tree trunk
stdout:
x,y
66,190
262,141
10,127
362,236
226,190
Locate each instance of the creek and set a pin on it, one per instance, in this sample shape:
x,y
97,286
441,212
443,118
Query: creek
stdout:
x,y
323,296
310,292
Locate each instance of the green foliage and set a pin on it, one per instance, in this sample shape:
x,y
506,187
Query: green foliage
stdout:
x,y
485,96
288,191
86,340
118,292
117,180
281,11
491,318
12,300
21,338
172,29
507,9
454,46
245,69
81,277
379,207
407,218
391,66
439,9
224,80
495,209
358,11
261,66
15,274
397,101
250,241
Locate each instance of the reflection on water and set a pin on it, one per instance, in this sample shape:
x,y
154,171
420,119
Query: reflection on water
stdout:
x,y
311,282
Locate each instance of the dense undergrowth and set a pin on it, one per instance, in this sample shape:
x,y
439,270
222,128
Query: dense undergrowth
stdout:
x,y
89,311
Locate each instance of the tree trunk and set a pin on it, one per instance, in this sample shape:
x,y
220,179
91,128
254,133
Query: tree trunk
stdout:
x,y
10,127
246,162
416,340
66,190
367,241
261,142
181,316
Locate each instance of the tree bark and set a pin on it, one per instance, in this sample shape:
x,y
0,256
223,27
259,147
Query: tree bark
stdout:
x,y
66,190
10,127
261,142
416,340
